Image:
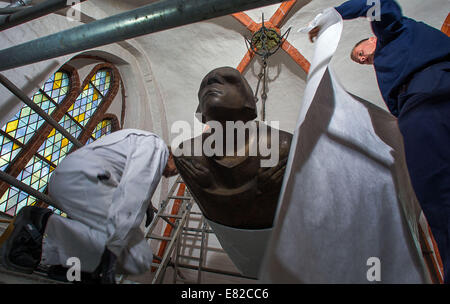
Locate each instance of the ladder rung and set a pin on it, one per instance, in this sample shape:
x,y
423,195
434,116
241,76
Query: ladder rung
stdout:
x,y
179,197
167,221
170,215
191,234
158,237
197,230
188,257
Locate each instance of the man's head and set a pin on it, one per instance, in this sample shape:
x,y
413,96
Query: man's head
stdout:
x,y
225,95
170,169
364,51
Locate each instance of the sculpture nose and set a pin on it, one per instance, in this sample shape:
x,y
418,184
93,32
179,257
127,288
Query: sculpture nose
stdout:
x,y
214,79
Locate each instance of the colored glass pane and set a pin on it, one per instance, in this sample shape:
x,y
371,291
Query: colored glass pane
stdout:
x,y
57,86
102,129
102,81
8,151
14,199
85,105
56,146
26,122
35,174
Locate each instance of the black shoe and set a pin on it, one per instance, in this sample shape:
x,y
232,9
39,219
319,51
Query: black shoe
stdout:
x,y
106,270
22,250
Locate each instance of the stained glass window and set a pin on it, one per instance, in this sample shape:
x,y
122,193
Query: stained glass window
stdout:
x,y
22,127
18,131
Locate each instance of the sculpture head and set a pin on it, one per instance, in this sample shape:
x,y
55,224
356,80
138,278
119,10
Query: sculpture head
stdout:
x,y
225,95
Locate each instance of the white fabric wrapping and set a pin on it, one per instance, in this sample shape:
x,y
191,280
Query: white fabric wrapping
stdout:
x,y
105,212
327,18
346,196
245,247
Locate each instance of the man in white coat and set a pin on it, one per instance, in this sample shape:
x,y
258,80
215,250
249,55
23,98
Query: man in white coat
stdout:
x,y
105,189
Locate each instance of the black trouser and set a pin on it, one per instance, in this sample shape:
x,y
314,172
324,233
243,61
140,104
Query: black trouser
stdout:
x,y
424,122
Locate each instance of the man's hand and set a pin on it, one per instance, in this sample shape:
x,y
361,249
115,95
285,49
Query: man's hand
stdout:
x,y
321,22
150,214
314,33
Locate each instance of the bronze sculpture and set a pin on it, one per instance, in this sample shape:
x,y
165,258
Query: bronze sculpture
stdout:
x,y
233,189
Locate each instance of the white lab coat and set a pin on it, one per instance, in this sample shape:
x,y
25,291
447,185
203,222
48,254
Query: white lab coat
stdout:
x,y
105,212
347,211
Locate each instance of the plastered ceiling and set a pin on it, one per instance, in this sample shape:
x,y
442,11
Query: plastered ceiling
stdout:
x,y
180,57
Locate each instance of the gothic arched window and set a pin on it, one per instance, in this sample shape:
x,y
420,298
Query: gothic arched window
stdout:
x,y
31,150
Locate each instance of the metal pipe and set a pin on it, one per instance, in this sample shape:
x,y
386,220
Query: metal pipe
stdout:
x,y
34,12
158,16
20,3
22,96
24,187
11,10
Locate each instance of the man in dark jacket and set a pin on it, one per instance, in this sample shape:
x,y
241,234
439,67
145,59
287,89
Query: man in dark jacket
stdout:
x,y
412,65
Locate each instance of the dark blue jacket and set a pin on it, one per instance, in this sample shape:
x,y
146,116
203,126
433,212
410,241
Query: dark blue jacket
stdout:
x,y
404,46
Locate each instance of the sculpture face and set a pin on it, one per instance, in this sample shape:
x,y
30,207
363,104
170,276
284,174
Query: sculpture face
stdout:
x,y
224,95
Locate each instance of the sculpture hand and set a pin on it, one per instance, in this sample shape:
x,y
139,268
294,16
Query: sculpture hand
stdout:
x,y
197,172
271,177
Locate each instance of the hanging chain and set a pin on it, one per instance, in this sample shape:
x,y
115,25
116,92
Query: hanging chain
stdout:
x,y
264,93
262,76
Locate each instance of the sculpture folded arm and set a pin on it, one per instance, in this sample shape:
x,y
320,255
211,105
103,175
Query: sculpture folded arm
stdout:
x,y
242,196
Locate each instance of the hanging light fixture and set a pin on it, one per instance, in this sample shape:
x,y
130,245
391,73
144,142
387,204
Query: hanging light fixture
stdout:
x,y
265,42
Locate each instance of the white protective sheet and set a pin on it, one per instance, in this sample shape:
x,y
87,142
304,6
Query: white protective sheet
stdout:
x,y
346,195
245,247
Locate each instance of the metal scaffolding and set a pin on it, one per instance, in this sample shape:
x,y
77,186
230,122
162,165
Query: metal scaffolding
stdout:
x,y
19,15
173,239
154,17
